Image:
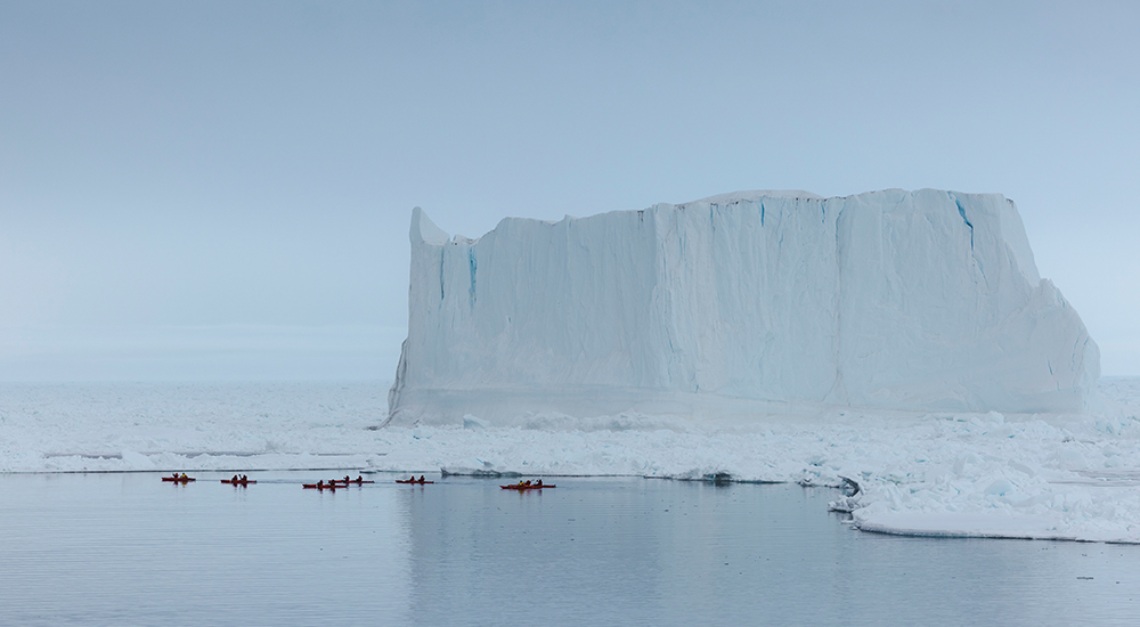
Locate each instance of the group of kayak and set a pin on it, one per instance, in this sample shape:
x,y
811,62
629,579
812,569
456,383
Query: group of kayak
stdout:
x,y
333,484
244,480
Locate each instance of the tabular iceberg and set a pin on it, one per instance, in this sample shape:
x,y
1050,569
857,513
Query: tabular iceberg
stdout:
x,y
927,300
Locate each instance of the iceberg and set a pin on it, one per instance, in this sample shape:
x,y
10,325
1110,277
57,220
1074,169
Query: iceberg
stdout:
x,y
743,304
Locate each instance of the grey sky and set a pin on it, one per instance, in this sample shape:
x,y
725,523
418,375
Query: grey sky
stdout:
x,y
223,190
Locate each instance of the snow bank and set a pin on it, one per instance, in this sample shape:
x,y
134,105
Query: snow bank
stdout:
x,y
926,300
943,473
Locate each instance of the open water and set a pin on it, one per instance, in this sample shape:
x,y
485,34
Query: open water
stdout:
x,y
128,549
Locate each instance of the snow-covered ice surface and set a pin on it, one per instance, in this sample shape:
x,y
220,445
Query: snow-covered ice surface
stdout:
x,y
148,426
977,474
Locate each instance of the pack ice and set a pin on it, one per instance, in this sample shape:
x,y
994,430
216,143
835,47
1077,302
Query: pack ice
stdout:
x,y
926,300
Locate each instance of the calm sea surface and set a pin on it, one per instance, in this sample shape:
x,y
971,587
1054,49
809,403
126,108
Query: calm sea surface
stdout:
x,y
127,549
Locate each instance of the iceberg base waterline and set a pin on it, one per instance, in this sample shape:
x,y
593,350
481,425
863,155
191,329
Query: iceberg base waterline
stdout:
x,y
1063,476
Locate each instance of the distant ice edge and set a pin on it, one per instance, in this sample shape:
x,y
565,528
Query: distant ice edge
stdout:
x,y
916,301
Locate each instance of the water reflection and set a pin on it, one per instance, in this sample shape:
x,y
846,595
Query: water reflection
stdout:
x,y
668,553
126,549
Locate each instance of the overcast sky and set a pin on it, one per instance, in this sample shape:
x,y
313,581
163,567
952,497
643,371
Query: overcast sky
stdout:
x,y
197,190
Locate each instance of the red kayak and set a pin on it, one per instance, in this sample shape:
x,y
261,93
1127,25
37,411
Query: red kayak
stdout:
x,y
179,479
352,482
413,481
524,488
239,481
313,486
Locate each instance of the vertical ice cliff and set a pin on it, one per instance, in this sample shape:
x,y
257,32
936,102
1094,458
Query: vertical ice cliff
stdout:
x,y
926,300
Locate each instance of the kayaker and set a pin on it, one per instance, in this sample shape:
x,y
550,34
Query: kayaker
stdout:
x,y
360,478
539,483
234,479
184,477
422,479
